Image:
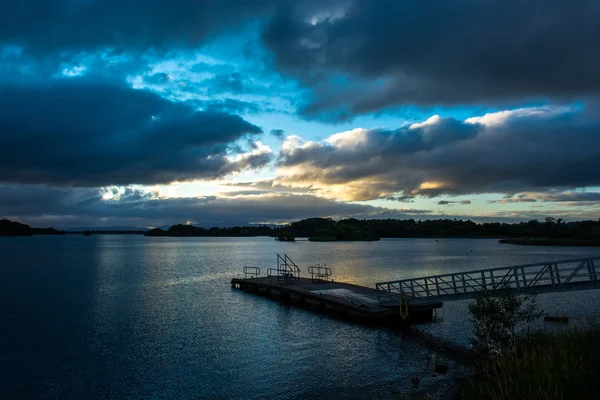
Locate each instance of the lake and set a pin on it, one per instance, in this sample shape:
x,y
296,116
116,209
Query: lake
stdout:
x,y
124,316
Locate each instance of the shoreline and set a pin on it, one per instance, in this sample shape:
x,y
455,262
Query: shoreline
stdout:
x,y
550,242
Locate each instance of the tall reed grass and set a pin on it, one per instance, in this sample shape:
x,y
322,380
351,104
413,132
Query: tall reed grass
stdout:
x,y
542,365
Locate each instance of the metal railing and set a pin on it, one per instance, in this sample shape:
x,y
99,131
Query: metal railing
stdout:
x,y
319,272
251,272
286,271
577,274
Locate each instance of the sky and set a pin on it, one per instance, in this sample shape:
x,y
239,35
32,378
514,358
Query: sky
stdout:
x,y
132,113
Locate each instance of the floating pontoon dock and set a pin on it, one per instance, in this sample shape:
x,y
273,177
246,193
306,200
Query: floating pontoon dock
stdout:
x,y
416,298
321,293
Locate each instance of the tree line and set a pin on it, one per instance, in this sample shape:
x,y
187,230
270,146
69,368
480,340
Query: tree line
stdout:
x,y
364,229
372,229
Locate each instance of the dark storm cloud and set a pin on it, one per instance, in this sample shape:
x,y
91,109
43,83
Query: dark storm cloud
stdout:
x,y
382,143
61,207
508,152
74,25
16,200
513,200
571,196
401,199
93,133
247,161
364,55
452,202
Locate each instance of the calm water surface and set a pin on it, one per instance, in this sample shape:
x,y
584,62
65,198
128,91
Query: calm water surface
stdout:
x,y
110,317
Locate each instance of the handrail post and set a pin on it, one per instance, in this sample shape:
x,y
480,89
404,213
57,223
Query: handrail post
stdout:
x,y
591,272
454,283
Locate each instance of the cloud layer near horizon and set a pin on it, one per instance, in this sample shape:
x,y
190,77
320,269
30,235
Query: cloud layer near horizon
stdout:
x,y
67,207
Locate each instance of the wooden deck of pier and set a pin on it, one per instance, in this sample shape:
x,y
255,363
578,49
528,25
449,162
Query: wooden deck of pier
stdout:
x,y
347,301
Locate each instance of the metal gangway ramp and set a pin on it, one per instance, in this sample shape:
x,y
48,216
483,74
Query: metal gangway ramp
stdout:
x,y
553,276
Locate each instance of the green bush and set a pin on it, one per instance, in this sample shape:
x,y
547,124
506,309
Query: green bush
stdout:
x,y
496,316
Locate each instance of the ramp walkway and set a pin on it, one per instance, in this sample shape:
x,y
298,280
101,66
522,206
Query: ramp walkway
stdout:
x,y
553,276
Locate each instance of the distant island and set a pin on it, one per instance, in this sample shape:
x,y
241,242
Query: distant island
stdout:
x,y
11,228
550,232
328,230
315,229
181,230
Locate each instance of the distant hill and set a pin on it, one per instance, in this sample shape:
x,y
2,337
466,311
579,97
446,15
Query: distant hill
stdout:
x,y
11,228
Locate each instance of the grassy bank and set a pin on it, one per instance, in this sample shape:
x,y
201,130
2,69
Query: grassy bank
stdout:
x,y
542,366
551,242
